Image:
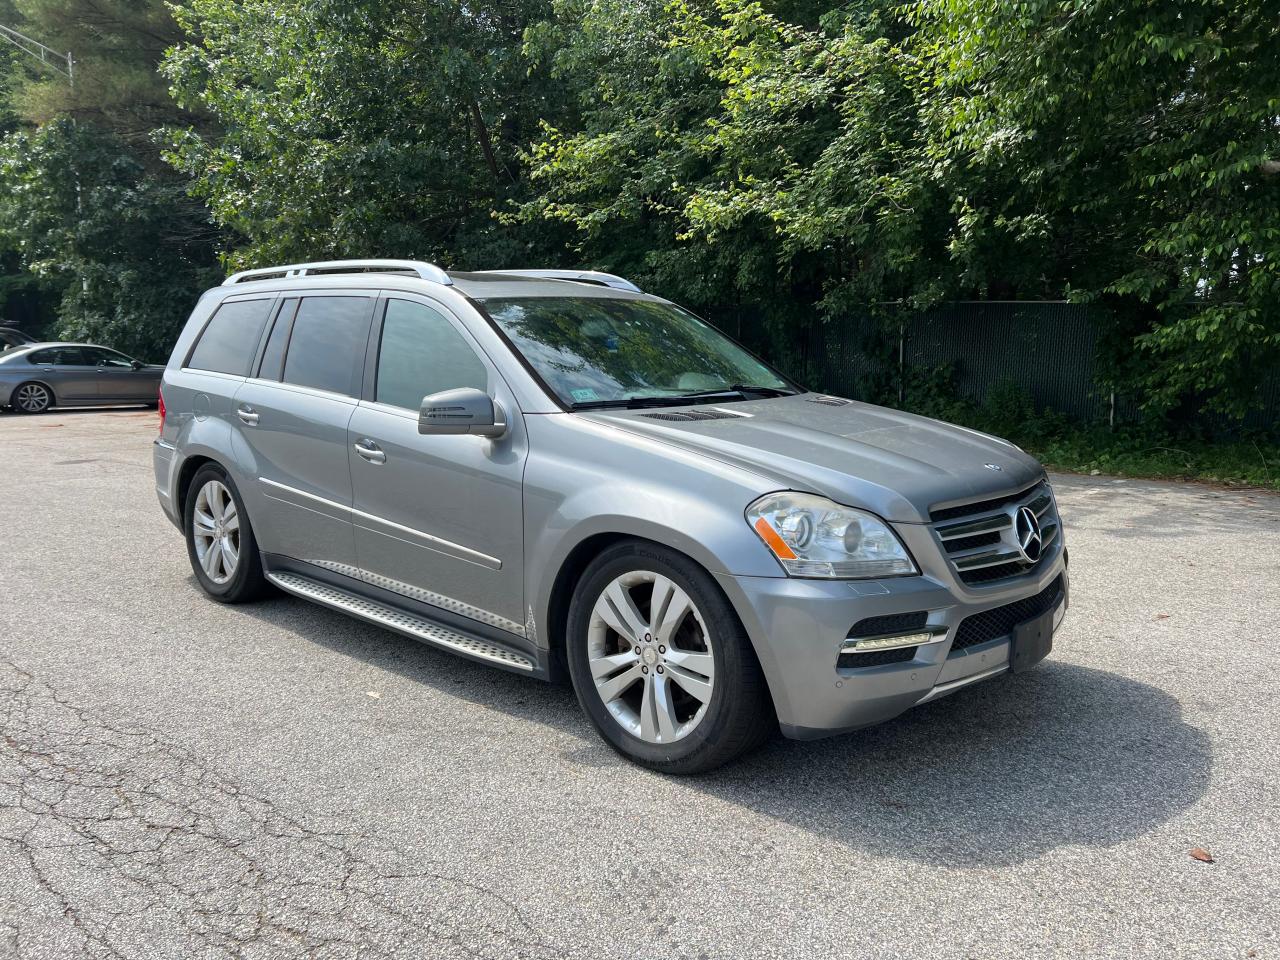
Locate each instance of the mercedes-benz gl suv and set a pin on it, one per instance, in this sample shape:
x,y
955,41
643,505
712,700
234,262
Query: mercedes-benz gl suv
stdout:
x,y
558,474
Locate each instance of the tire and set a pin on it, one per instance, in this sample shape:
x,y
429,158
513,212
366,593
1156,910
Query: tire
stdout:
x,y
709,719
228,577
31,397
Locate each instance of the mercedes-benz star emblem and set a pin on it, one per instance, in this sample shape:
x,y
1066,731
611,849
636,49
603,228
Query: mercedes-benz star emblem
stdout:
x,y
993,466
1026,527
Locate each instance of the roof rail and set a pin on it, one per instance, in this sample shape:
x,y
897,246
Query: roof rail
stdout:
x,y
426,271
581,276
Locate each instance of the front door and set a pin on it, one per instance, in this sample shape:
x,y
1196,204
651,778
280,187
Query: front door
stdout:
x,y
436,518
117,379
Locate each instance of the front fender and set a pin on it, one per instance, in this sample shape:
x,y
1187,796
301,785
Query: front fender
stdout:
x,y
622,485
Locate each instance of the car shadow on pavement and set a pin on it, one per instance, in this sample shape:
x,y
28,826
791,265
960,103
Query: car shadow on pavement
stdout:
x,y
991,776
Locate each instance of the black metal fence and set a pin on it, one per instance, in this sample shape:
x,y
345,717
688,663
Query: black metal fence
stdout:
x,y
1047,350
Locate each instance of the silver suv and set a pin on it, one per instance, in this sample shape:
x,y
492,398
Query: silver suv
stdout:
x,y
554,472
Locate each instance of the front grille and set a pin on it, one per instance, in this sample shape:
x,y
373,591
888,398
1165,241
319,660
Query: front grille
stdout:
x,y
980,539
875,658
1000,621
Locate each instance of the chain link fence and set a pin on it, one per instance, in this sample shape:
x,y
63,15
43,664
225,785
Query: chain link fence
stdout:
x,y
1047,350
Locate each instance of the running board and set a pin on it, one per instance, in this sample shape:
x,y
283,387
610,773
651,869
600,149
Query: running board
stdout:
x,y
400,621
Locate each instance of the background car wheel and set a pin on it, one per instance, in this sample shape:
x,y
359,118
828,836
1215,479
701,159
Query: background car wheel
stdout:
x,y
661,663
220,542
32,398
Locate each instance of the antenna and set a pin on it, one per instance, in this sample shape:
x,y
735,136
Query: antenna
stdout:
x,y
37,50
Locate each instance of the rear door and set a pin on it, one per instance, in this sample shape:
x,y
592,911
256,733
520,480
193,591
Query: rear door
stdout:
x,y
437,518
293,417
73,378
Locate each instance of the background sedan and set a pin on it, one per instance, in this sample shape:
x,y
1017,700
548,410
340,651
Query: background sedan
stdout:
x,y
38,376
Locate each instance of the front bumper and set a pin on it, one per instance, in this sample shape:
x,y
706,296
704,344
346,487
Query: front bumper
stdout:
x,y
799,626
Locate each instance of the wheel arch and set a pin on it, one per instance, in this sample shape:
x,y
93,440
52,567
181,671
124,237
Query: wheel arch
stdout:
x,y
36,380
186,473
575,563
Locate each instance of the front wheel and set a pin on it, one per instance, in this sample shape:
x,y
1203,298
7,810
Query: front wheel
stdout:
x,y
661,663
220,541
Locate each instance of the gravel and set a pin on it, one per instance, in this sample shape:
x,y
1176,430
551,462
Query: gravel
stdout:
x,y
182,779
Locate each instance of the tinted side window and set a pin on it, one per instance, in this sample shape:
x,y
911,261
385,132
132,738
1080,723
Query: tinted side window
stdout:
x,y
422,353
60,356
326,348
230,338
106,358
273,355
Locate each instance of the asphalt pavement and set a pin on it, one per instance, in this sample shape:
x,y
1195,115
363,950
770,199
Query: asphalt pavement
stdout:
x,y
181,779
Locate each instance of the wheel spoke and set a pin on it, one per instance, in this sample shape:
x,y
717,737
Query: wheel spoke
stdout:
x,y
674,611
692,661
619,684
607,666
203,522
228,508
210,560
232,523
230,556
617,609
657,710
697,687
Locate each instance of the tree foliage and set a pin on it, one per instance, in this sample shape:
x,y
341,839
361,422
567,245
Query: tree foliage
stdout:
x,y
766,161
123,248
1094,149
358,128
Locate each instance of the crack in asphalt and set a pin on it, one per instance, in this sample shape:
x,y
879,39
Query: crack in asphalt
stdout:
x,y
117,843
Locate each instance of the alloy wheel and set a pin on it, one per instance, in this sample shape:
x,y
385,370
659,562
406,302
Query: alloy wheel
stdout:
x,y
650,657
215,531
33,398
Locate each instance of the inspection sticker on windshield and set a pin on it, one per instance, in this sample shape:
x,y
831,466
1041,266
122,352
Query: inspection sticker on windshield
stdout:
x,y
584,395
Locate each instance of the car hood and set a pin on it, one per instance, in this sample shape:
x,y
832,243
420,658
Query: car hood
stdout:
x,y
898,465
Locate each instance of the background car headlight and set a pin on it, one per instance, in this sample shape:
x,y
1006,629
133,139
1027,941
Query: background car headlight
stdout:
x,y
815,537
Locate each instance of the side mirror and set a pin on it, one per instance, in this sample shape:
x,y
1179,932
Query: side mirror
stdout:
x,y
465,410
137,364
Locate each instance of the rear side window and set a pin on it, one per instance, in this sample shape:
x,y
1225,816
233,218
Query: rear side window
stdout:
x,y
422,353
230,338
273,356
60,356
326,347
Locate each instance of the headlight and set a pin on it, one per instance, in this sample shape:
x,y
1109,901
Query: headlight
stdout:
x,y
816,537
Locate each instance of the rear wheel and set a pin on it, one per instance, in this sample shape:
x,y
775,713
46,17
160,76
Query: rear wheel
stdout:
x,y
32,398
661,663
220,541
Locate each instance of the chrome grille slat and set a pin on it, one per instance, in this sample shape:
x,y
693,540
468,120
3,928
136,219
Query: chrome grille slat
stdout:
x,y
968,528
989,559
967,540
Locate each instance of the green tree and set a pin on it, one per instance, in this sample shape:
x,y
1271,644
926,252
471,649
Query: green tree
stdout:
x,y
358,128
125,251
1128,151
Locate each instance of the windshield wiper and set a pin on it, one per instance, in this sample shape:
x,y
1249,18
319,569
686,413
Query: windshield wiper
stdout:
x,y
740,390
737,391
630,403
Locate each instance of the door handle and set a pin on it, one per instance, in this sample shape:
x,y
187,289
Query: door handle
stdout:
x,y
247,414
368,450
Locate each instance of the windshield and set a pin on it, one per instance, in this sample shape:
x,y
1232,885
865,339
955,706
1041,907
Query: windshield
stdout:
x,y
595,351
